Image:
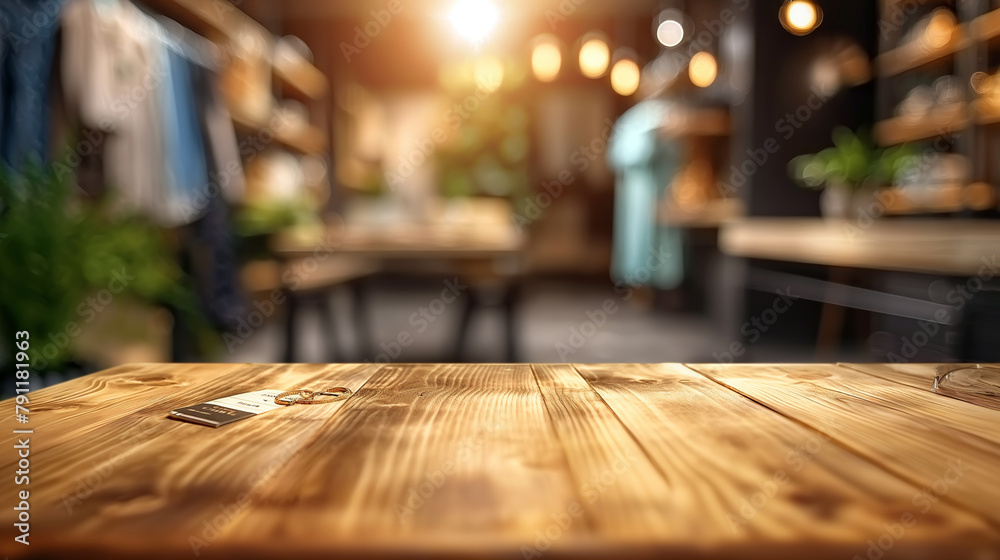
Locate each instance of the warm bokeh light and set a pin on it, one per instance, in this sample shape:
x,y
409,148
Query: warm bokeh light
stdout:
x,y
800,17
546,58
595,55
625,77
703,69
474,19
670,33
940,28
488,73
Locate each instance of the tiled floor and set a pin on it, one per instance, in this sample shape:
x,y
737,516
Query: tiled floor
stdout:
x,y
557,322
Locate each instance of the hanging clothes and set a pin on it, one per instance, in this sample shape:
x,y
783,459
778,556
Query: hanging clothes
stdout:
x,y
28,31
112,78
214,264
644,253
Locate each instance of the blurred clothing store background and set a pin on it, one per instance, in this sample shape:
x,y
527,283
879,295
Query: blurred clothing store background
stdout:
x,y
498,180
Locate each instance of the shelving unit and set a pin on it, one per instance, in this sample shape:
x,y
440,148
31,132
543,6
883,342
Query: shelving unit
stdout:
x,y
962,125
223,22
913,56
987,26
311,141
697,122
943,120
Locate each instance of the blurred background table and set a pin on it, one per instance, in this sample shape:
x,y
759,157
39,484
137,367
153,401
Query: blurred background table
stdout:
x,y
476,241
514,461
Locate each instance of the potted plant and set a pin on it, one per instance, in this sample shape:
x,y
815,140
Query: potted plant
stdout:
x,y
63,258
849,172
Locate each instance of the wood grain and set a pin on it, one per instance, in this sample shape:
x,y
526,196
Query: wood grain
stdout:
x,y
435,458
149,482
741,473
511,461
914,444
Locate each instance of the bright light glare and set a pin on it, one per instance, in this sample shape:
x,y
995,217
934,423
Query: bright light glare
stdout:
x,y
546,59
474,19
670,33
703,69
594,58
625,77
489,73
800,16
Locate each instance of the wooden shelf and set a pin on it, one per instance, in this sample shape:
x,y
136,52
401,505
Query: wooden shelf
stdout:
x,y
310,141
696,122
944,120
302,79
221,21
986,26
947,198
712,215
912,56
215,19
985,113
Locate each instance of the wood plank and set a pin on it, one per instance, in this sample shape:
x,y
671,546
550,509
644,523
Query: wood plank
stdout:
x,y
147,483
917,54
442,458
66,411
918,376
739,473
909,443
951,247
941,121
623,491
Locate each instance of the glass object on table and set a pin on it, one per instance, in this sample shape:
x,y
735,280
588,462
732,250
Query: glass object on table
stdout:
x,y
974,383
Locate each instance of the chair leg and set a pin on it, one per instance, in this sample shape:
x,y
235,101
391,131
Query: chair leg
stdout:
x,y
362,326
328,318
461,335
510,301
291,318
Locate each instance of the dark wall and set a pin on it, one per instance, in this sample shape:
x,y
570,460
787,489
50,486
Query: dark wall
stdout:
x,y
783,115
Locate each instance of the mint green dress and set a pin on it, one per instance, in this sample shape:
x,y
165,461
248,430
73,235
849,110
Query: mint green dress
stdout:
x,y
644,252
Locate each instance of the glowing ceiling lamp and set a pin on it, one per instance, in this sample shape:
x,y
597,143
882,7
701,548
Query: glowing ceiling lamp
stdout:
x,y
800,17
625,74
595,56
703,69
546,58
474,19
670,33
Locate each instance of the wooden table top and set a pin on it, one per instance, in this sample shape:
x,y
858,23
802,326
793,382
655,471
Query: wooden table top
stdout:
x,y
949,247
406,241
517,461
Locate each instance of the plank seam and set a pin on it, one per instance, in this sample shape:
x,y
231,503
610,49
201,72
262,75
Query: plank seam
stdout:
x,y
844,445
645,452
